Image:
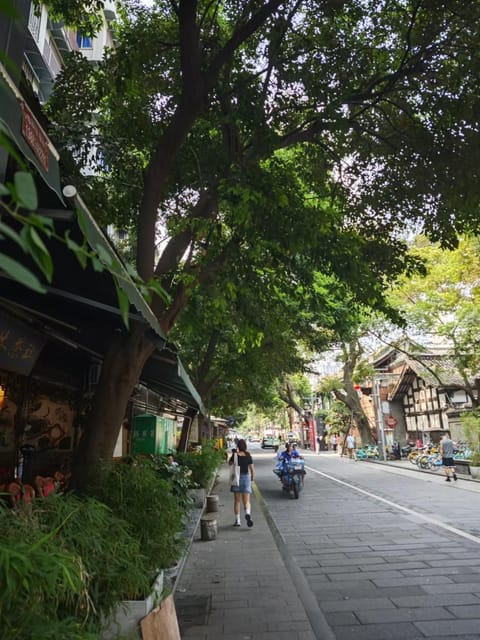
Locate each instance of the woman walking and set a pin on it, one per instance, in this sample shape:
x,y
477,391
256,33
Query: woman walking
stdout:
x,y
244,489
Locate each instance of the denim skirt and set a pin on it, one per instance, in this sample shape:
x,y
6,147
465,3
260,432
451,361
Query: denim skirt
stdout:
x,y
245,485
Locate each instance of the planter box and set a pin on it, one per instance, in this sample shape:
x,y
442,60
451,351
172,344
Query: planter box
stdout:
x,y
128,613
475,472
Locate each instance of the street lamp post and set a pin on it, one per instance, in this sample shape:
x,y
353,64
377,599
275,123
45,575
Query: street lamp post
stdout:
x,y
379,414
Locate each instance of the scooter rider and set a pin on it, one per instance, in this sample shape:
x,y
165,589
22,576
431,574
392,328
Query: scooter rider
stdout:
x,y
284,458
289,453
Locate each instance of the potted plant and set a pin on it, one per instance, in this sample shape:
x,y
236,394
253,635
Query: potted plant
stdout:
x,y
474,465
135,490
93,561
471,426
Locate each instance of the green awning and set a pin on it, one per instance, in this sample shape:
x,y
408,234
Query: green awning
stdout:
x,y
71,285
173,379
99,243
21,126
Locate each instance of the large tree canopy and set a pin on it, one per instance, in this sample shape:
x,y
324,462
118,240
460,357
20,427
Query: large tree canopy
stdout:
x,y
376,102
303,137
443,304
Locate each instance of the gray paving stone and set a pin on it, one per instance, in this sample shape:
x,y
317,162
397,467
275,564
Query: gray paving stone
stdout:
x,y
402,631
437,600
466,577
466,611
413,580
246,626
440,571
403,615
351,568
358,604
285,635
444,628
456,562
451,587
342,618
363,575
399,566
347,561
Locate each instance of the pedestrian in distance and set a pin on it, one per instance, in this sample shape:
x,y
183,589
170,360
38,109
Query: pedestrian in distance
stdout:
x,y
334,442
351,447
244,489
446,453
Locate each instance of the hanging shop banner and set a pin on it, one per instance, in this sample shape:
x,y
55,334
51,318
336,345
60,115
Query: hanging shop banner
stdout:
x,y
19,345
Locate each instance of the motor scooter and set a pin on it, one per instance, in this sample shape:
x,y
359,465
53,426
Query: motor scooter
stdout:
x,y
291,474
408,448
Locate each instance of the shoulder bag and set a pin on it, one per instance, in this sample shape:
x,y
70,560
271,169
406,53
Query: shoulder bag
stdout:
x,y
235,472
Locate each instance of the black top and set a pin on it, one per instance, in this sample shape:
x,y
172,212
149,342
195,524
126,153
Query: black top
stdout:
x,y
243,463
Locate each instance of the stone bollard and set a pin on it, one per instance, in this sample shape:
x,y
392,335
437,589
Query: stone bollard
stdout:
x,y
198,497
212,504
208,527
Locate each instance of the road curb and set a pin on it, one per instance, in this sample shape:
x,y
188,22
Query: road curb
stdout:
x,y
318,622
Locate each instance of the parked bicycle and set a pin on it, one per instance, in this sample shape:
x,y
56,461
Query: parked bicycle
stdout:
x,y
429,461
368,452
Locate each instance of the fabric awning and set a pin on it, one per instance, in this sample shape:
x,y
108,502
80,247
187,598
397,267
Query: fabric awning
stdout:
x,y
81,305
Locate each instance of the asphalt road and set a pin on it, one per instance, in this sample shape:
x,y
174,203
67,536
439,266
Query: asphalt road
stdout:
x,y
379,552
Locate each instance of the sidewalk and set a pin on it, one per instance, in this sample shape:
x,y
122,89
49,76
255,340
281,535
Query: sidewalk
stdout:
x,y
461,468
238,586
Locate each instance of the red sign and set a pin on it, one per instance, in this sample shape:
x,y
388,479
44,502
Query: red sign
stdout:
x,y
34,135
391,421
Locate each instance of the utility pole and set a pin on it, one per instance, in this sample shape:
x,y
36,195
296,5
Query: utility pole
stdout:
x,y
379,414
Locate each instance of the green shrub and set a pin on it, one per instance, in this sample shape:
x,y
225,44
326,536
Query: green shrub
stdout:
x,y
204,463
180,478
108,546
64,562
39,583
136,494
471,426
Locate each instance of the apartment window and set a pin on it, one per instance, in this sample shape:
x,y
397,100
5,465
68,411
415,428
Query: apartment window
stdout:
x,y
84,42
34,22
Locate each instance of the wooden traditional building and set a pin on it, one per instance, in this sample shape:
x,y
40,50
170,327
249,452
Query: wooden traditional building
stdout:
x,y
421,395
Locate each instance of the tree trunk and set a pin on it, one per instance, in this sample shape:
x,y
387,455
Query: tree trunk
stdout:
x,y
352,401
363,427
121,370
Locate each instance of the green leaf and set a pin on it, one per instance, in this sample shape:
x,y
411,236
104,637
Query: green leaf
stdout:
x,y
41,254
124,304
103,254
6,143
78,250
82,221
45,224
4,191
132,272
13,235
26,190
96,264
82,258
71,244
21,274
154,285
